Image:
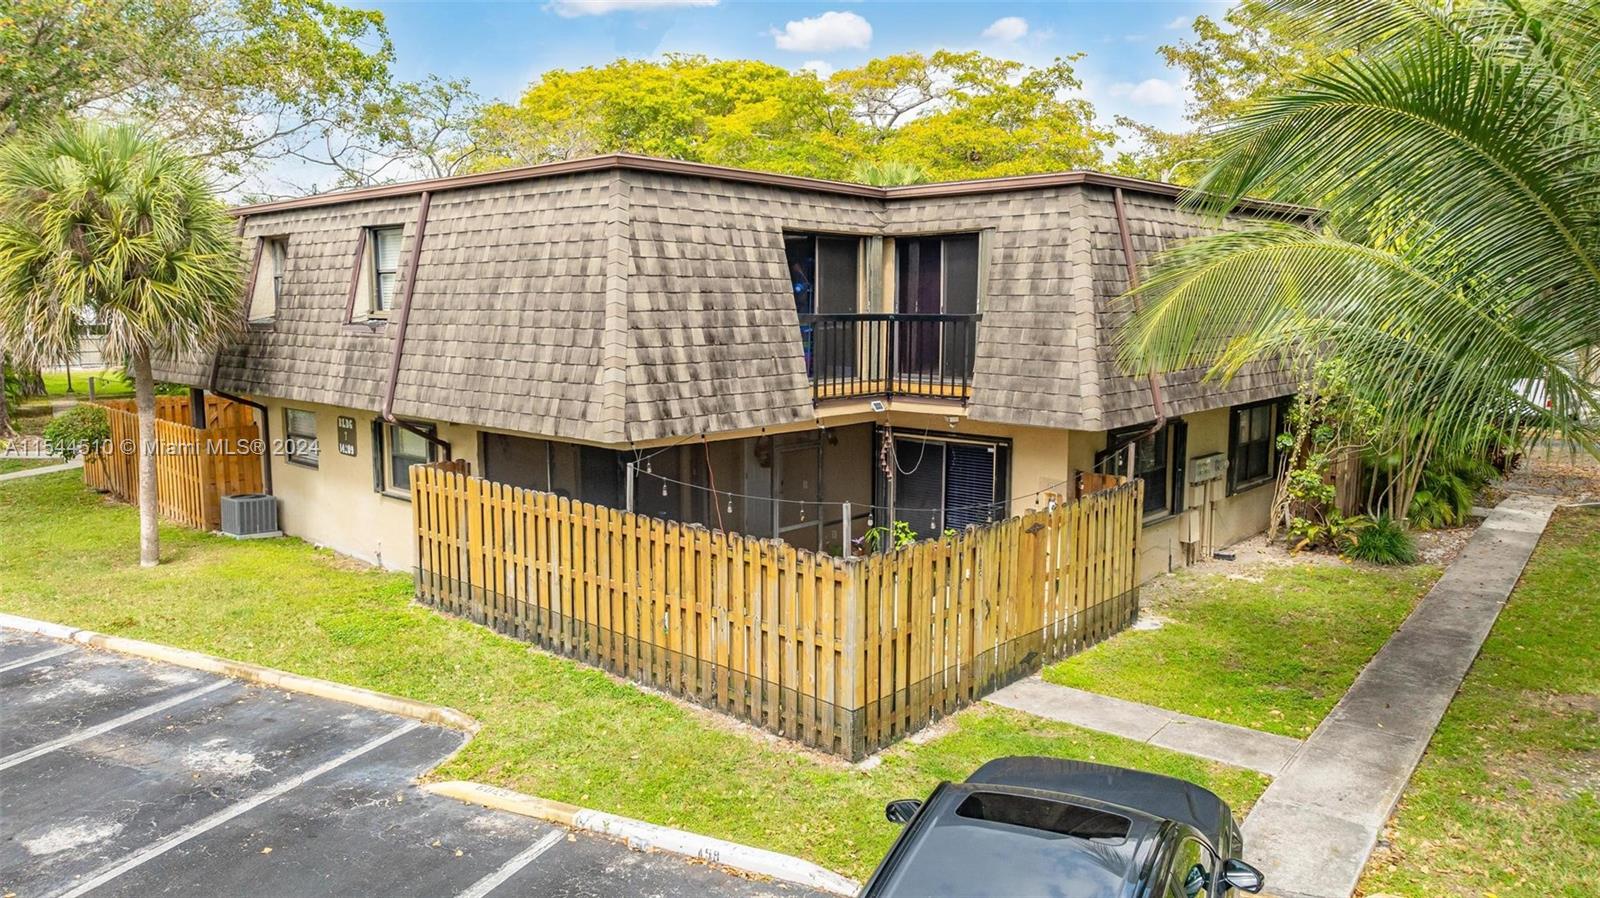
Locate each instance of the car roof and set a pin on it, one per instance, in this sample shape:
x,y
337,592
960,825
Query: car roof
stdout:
x,y
953,854
1152,794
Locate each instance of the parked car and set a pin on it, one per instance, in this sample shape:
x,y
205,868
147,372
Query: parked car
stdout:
x,y
1049,827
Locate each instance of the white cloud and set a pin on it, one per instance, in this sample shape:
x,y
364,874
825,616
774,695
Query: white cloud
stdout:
x,y
1178,24
1008,29
821,69
829,31
573,8
1149,92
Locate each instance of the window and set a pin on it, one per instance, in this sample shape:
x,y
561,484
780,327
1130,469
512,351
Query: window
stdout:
x,y
1191,870
300,437
944,483
396,450
937,275
267,292
1252,444
825,273
385,268
1157,460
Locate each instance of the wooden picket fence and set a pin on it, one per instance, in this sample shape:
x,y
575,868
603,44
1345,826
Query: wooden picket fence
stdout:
x,y
847,655
195,467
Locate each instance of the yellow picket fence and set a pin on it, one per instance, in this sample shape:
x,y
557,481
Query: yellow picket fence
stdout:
x,y
847,655
195,467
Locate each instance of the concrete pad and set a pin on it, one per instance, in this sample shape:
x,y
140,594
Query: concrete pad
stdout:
x,y
1262,752
1350,772
1318,855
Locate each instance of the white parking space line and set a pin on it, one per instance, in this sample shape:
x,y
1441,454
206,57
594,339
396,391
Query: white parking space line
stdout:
x,y
29,754
117,868
489,883
45,655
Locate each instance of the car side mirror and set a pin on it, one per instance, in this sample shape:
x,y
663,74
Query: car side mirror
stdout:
x,y
902,810
1240,875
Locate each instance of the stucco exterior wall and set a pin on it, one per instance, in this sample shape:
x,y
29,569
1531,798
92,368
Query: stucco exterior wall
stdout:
x,y
334,504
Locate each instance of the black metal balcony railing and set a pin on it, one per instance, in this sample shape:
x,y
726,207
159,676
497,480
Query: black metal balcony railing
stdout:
x,y
855,356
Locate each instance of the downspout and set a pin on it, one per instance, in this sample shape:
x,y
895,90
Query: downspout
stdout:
x,y
401,323
1133,285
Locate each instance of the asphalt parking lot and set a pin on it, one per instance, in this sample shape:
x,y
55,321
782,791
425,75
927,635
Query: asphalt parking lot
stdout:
x,y
124,777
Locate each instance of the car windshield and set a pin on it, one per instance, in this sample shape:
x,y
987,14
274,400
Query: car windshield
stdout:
x,y
998,843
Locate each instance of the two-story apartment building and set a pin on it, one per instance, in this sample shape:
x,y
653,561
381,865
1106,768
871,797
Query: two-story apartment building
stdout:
x,y
772,355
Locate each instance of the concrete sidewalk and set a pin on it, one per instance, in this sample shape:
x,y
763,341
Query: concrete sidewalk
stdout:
x,y
1313,829
1254,750
73,465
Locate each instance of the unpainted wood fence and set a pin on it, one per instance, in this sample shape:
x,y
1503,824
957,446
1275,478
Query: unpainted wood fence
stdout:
x,y
195,467
844,654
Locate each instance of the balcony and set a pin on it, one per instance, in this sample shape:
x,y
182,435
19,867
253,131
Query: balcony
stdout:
x,y
871,356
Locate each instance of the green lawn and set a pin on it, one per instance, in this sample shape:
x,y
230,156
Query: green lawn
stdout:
x,y
1507,799
13,465
109,384
1271,648
550,727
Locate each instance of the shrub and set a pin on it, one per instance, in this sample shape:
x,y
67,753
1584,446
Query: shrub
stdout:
x,y
1382,540
82,428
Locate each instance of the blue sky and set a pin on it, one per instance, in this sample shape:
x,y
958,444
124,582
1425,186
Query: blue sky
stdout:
x,y
502,46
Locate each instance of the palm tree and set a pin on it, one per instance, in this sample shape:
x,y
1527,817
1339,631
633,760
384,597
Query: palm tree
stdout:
x,y
113,225
1454,150
888,173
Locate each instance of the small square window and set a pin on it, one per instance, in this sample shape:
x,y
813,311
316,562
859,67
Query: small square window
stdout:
x,y
385,268
300,437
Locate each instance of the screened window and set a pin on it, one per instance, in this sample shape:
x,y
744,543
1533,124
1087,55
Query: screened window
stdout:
x,y
937,275
385,268
945,484
300,437
402,448
1252,444
825,273
1157,460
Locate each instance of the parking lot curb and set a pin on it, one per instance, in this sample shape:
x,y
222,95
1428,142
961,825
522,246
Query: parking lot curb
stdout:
x,y
250,673
645,836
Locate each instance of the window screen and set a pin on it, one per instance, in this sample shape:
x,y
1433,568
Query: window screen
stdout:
x,y
300,431
406,449
838,275
386,267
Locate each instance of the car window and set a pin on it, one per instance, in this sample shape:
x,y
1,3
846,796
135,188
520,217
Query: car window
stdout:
x,y
1191,871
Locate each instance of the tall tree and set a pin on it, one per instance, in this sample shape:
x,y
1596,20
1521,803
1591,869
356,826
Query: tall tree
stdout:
x,y
950,115
240,84
113,225
1457,257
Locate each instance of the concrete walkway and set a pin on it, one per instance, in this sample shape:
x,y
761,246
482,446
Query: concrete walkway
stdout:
x,y
1266,753
1313,829
47,469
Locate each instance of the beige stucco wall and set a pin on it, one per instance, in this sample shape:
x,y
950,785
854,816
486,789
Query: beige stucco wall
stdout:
x,y
1233,518
334,504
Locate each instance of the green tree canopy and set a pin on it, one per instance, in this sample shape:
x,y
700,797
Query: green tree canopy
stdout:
x,y
949,115
1455,268
238,84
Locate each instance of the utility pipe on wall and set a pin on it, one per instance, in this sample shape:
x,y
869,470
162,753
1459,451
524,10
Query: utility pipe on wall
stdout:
x,y
402,322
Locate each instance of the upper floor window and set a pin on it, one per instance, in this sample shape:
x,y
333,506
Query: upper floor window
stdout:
x,y
385,268
936,275
267,291
825,273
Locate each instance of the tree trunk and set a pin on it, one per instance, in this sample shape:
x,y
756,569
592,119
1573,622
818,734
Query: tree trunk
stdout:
x,y
144,398
5,412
